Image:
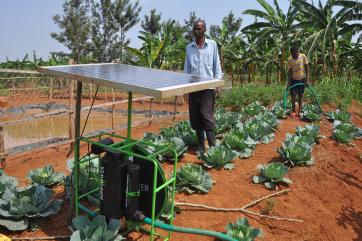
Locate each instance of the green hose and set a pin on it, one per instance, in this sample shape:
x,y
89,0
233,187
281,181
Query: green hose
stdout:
x,y
301,84
172,228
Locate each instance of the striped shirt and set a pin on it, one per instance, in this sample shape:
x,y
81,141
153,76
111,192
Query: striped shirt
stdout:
x,y
297,66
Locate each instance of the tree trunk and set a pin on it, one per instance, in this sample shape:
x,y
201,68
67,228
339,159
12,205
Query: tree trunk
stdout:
x,y
254,68
315,67
334,58
249,72
283,65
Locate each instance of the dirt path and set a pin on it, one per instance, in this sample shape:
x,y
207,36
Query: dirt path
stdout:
x,y
326,196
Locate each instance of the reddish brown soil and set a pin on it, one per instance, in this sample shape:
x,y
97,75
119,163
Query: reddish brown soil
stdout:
x,y
326,196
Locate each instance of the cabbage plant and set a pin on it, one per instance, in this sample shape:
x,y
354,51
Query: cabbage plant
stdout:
x,y
30,202
88,174
296,150
242,231
311,112
7,183
239,141
254,109
278,109
226,120
259,130
345,132
186,133
95,230
272,174
192,178
311,131
269,118
160,143
181,130
218,157
339,115
45,176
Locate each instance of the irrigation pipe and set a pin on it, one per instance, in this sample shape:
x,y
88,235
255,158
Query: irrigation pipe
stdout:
x,y
311,90
177,229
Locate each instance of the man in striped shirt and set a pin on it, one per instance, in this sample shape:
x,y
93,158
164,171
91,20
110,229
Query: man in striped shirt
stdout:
x,y
298,72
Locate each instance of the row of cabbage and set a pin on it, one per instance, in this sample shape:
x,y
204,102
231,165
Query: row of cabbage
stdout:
x,y
344,131
237,134
295,151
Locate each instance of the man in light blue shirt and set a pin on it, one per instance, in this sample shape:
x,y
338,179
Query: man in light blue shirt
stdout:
x,y
202,59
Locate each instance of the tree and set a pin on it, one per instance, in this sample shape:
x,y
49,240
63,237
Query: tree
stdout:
x,y
276,25
74,27
328,28
126,16
149,54
104,31
110,22
151,23
163,51
189,24
225,37
173,54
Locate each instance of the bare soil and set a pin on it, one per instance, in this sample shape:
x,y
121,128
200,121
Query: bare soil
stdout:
x,y
326,196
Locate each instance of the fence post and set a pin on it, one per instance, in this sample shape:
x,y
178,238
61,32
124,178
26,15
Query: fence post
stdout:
x,y
51,89
2,148
90,91
174,108
113,108
151,103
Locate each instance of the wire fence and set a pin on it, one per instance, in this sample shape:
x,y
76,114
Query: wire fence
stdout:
x,y
38,110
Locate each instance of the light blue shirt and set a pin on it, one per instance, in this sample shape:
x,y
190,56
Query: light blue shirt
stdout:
x,y
204,62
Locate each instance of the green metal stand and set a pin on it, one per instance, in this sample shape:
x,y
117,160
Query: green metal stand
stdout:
x,y
124,147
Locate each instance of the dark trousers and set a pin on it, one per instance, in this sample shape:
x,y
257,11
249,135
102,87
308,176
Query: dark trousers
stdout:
x,y
201,110
298,90
202,118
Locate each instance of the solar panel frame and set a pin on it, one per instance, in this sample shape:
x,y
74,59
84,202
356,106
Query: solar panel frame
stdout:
x,y
128,78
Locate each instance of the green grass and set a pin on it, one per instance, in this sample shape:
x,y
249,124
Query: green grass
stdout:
x,y
241,96
339,91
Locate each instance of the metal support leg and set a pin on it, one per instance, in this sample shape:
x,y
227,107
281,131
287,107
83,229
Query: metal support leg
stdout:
x,y
129,117
78,105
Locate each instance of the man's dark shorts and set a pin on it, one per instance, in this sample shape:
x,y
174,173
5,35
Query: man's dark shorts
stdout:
x,y
298,90
201,109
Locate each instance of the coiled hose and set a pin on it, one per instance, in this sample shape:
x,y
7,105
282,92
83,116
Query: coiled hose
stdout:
x,y
311,90
172,228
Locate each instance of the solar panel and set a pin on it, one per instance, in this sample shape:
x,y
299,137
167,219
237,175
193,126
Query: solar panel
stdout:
x,y
152,82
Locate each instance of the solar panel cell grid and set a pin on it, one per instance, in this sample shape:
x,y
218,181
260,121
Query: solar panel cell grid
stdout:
x,y
158,83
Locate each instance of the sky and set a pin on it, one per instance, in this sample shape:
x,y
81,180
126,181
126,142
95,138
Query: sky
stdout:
x,y
25,25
